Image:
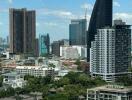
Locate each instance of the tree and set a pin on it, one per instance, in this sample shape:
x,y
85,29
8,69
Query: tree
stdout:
x,y
126,80
130,69
58,96
62,82
1,81
52,65
78,62
72,76
46,80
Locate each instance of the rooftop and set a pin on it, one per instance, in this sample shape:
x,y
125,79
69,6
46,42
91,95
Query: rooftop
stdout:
x,y
112,88
34,67
11,74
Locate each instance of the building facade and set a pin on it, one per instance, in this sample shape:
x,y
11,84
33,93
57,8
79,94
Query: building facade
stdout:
x,y
14,80
36,47
110,92
73,52
35,71
101,17
44,44
110,52
56,46
77,32
22,31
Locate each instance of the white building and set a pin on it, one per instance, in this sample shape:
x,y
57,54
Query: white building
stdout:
x,y
73,52
35,71
110,52
14,80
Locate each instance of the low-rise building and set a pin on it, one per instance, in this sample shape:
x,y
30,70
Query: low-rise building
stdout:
x,y
14,80
109,92
35,71
73,52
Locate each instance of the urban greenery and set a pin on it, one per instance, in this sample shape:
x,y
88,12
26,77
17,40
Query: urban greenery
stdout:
x,y
125,80
69,87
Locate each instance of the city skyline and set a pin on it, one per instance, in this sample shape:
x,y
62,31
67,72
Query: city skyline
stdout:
x,y
54,17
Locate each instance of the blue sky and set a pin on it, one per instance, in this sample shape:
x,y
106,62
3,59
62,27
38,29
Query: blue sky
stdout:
x,y
53,16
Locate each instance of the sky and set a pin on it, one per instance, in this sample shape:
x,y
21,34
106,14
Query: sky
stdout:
x,y
53,16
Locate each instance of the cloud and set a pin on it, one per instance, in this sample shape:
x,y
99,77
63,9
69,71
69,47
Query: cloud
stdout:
x,y
1,23
10,1
2,10
57,13
116,4
51,24
127,17
37,24
87,6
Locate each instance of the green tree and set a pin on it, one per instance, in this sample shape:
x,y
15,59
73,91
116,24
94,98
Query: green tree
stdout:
x,y
78,62
63,81
1,81
52,65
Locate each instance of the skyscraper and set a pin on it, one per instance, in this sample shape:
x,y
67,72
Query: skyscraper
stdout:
x,y
101,17
22,31
111,52
77,32
56,46
36,54
44,44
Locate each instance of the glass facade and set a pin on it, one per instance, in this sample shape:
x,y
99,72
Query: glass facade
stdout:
x,y
44,42
101,17
77,32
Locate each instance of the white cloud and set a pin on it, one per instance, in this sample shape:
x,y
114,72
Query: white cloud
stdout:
x,y
10,1
50,24
37,24
57,13
1,23
87,6
62,14
2,10
116,4
127,17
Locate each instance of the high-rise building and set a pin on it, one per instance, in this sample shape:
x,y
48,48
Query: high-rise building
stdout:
x,y
7,40
101,17
22,31
36,47
110,52
77,32
44,44
56,46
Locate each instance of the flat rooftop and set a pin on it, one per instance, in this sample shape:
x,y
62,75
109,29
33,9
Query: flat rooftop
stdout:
x,y
112,88
11,74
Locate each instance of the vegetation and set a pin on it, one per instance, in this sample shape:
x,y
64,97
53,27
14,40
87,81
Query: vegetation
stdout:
x,y
125,80
52,65
69,87
7,92
1,80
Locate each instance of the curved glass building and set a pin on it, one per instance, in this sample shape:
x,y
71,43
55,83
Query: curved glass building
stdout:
x,y
101,17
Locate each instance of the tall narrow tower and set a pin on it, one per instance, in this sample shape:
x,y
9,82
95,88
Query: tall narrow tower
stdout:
x,y
101,17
